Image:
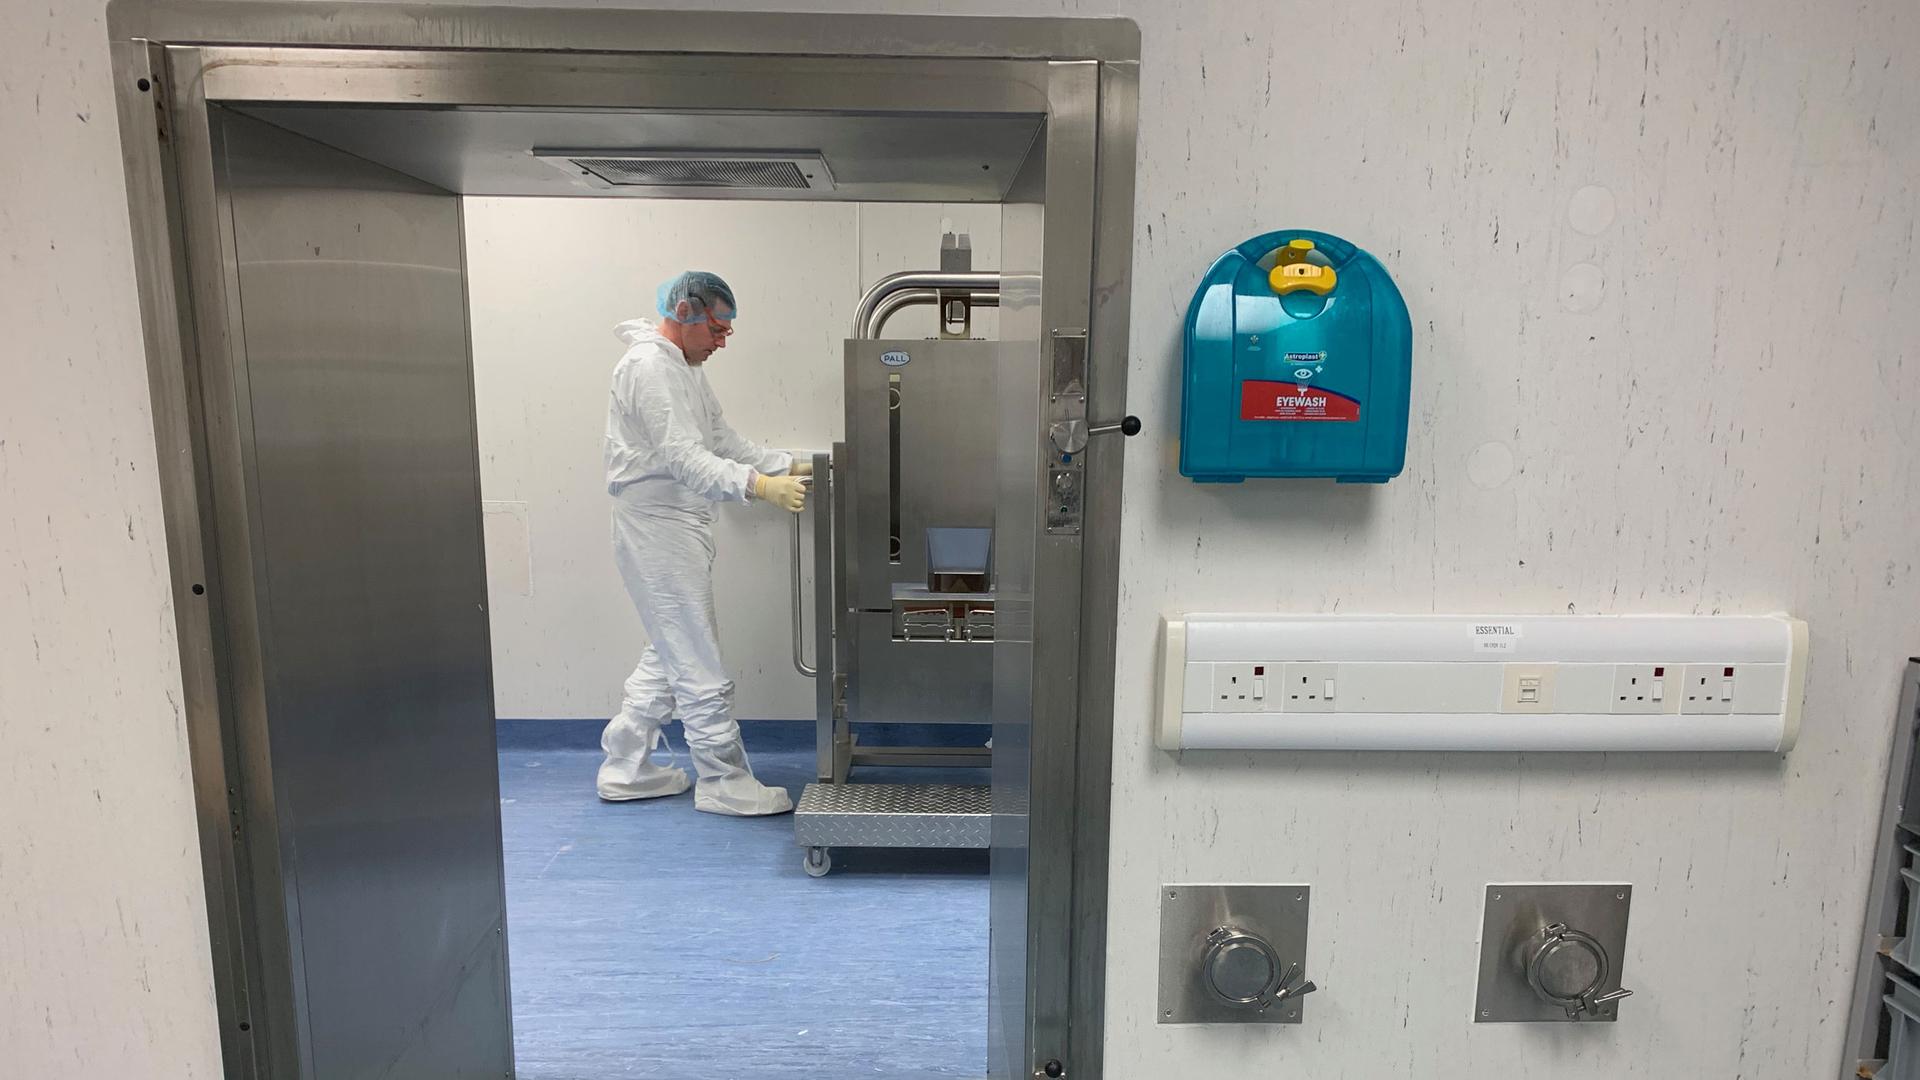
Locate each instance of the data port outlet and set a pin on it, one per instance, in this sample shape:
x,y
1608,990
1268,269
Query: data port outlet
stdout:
x,y
1528,689
1644,688
1309,688
1707,688
1236,688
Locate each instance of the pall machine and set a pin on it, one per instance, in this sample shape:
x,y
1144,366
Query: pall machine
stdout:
x,y
902,515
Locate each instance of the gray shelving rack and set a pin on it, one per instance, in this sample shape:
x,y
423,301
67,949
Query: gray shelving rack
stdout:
x,y
1883,1026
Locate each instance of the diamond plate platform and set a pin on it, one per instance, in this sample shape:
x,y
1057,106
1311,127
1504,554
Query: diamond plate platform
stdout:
x,y
894,816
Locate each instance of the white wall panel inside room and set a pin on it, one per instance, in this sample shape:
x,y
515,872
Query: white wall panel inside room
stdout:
x,y
548,279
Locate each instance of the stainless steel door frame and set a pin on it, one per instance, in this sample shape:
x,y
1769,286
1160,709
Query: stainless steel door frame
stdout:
x,y
1090,108
1117,126
502,27
1052,688
151,156
238,75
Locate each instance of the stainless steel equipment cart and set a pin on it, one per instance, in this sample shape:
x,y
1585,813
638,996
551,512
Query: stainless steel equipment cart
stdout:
x,y
903,612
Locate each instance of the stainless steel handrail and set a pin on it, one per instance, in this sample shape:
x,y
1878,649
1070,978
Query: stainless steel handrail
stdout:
x,y
907,298
868,316
799,650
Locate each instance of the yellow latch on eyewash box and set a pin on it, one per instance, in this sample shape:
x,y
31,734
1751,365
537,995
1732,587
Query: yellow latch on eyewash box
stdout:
x,y
1293,273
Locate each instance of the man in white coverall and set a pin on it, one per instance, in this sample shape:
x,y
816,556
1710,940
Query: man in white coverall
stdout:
x,y
670,457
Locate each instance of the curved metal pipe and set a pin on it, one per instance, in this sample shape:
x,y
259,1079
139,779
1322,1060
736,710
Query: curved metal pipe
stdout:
x,y
971,281
914,297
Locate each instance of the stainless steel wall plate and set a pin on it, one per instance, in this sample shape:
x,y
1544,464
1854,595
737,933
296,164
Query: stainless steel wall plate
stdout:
x,y
1233,954
1552,953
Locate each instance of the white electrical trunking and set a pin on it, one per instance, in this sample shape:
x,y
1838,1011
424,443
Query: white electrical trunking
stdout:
x,y
1481,682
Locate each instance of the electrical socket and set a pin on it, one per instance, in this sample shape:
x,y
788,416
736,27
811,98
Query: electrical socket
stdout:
x,y
1234,687
1707,688
1308,688
1528,688
1642,688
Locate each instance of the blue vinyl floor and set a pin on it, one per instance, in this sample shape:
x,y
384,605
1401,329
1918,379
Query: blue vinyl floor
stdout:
x,y
649,940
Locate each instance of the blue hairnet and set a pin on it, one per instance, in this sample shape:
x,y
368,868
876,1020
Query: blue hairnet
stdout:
x,y
704,292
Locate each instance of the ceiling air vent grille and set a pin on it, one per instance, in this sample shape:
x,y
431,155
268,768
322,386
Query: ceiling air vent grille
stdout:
x,y
704,170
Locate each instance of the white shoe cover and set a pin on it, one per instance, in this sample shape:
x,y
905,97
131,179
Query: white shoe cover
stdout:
x,y
740,796
621,781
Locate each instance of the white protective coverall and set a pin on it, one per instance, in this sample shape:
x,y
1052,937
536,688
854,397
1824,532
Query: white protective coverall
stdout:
x,y
670,456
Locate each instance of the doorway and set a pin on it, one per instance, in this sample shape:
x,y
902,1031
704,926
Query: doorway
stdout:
x,y
646,913
314,410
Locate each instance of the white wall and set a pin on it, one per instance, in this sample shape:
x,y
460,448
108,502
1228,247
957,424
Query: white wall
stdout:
x,y
1728,426
548,279
104,966
1707,429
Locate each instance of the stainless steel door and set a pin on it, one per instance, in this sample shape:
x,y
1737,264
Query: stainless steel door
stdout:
x,y
352,392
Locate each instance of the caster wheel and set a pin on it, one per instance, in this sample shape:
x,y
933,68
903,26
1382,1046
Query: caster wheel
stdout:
x,y
818,862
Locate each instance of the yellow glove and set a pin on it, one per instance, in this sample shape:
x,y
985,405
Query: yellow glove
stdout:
x,y
801,467
785,492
